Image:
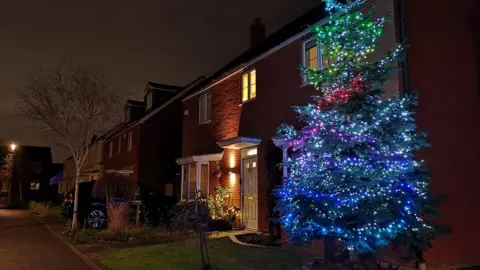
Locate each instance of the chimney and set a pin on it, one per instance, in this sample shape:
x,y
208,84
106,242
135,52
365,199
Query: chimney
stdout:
x,y
257,32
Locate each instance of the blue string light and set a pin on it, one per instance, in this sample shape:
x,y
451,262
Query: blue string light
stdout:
x,y
352,174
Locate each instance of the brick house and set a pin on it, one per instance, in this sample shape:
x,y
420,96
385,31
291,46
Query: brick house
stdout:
x,y
92,168
234,116
29,174
231,120
144,146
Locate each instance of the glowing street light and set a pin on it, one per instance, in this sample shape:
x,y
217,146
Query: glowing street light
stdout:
x,y
13,146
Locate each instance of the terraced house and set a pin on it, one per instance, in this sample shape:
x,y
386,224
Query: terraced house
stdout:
x,y
143,147
230,122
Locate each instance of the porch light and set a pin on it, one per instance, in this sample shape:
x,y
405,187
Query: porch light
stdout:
x,y
232,161
13,146
252,152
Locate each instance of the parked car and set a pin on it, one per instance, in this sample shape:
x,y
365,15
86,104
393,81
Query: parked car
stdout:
x,y
91,212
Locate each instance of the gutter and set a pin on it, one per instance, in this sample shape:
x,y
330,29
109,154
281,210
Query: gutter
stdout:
x,y
242,66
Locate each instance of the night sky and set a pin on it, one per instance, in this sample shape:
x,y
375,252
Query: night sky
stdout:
x,y
166,41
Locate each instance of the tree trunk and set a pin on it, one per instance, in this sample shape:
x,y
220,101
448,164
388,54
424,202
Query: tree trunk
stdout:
x,y
75,200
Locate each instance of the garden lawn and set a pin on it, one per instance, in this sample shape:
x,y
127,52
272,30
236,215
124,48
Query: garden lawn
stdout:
x,y
224,254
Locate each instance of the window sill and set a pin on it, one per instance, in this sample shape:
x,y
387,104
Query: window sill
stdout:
x,y
247,101
203,123
305,84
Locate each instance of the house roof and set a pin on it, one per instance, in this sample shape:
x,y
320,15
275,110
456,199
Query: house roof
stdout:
x,y
293,28
136,103
184,91
162,86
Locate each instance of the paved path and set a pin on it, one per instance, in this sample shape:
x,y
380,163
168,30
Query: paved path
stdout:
x,y
25,244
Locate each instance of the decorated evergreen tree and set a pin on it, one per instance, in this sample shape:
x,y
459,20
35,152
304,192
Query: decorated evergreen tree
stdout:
x,y
352,173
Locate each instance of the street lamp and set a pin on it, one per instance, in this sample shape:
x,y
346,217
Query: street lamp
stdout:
x,y
13,146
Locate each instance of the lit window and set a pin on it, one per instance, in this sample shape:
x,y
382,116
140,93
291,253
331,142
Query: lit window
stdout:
x,y
149,100
119,146
110,149
205,108
314,57
34,186
311,55
249,85
130,140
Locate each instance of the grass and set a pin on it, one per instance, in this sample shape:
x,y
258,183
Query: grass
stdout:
x,y
224,254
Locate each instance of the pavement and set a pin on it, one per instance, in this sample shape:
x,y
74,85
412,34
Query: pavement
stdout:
x,y
27,244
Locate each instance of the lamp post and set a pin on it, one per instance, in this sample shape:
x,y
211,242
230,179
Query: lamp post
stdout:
x,y
11,161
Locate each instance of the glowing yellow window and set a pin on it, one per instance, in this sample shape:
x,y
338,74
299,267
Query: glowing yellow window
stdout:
x,y
245,87
249,85
253,84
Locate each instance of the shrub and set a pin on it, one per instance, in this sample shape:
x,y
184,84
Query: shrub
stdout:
x,y
219,208
119,217
39,208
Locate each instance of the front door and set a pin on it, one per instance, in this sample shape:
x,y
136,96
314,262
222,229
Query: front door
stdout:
x,y
250,193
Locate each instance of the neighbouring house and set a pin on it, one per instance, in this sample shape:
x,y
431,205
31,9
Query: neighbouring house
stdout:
x,y
144,146
28,176
230,122
92,169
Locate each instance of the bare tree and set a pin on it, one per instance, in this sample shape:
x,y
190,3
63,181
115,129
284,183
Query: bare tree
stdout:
x,y
70,105
6,174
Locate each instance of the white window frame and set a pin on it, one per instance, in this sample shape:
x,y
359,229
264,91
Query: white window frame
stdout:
x,y
205,108
127,115
130,140
119,145
110,148
249,73
304,55
198,171
149,100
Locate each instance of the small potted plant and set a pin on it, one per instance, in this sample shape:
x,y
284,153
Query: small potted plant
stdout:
x,y
217,170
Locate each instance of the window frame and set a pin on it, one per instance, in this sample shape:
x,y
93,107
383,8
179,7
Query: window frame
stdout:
x,y
130,140
205,108
198,182
320,55
248,72
149,100
127,115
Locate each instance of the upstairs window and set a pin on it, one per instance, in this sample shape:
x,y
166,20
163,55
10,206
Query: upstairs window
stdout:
x,y
249,85
119,145
130,140
127,115
315,55
311,55
205,108
149,100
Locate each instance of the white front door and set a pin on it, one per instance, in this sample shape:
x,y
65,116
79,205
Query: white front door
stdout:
x,y
250,193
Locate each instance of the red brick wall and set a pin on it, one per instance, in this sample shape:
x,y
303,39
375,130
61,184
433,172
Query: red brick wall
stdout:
x,y
125,158
278,88
441,66
202,139
231,175
159,147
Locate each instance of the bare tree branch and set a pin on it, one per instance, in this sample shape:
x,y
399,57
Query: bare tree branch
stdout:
x,y
71,105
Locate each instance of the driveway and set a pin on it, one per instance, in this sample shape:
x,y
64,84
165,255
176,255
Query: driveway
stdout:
x,y
25,243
